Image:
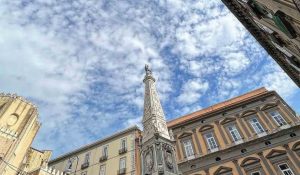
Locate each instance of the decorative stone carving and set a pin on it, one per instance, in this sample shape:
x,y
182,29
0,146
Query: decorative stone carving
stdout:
x,y
158,152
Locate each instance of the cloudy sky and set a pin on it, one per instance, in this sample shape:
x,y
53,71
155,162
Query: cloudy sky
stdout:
x,y
82,62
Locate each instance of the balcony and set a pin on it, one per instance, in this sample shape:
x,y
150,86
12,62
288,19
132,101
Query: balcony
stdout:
x,y
85,165
122,150
286,126
67,171
262,134
213,150
122,171
103,158
239,141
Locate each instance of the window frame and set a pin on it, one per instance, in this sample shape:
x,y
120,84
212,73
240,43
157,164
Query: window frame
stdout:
x,y
104,172
259,173
213,139
105,153
288,169
281,118
125,143
236,131
87,157
191,148
257,122
120,163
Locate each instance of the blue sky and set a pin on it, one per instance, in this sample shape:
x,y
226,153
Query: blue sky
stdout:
x,y
82,62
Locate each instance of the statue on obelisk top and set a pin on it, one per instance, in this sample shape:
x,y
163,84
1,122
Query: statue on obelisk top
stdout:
x,y
157,149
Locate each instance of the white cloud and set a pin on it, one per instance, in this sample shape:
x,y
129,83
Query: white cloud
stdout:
x,y
192,91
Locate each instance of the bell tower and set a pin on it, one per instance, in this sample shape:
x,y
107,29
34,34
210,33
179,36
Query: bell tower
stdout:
x,y
157,150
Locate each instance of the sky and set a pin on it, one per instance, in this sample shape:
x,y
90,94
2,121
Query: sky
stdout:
x,y
82,62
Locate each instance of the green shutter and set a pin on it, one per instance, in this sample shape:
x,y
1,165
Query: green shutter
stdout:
x,y
257,9
284,25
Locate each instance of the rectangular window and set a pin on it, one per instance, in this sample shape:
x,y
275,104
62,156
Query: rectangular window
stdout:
x,y
123,143
102,170
211,142
69,165
87,158
105,151
188,148
285,169
277,118
234,133
122,163
256,126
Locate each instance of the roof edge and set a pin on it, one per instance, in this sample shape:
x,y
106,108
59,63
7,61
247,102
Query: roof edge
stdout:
x,y
132,128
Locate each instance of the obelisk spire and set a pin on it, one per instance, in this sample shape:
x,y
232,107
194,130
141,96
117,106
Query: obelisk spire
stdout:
x,y
154,121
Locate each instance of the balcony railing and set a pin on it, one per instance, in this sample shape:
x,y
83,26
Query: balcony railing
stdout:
x,y
103,158
122,150
85,165
122,171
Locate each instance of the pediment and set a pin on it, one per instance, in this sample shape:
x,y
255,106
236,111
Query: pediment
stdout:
x,y
249,161
275,153
268,106
185,134
248,112
296,146
222,169
227,120
206,127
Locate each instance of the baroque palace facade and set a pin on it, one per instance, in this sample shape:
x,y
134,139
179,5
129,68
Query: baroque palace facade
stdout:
x,y
276,26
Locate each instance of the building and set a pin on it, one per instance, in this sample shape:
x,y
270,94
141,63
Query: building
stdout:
x,y
116,154
18,126
253,134
158,152
276,26
36,160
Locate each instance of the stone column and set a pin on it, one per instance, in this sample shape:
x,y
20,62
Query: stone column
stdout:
x,y
238,168
178,148
266,163
221,132
197,141
286,112
293,157
268,119
244,127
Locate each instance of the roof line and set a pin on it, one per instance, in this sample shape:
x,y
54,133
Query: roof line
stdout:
x,y
135,127
216,107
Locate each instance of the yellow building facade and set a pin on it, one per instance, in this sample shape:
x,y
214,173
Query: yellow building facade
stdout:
x,y
18,126
253,134
116,154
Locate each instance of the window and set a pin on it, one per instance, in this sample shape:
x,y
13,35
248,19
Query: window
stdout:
x,y
102,170
105,151
278,118
234,133
255,173
285,169
256,126
69,165
123,143
122,163
87,158
211,142
188,148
